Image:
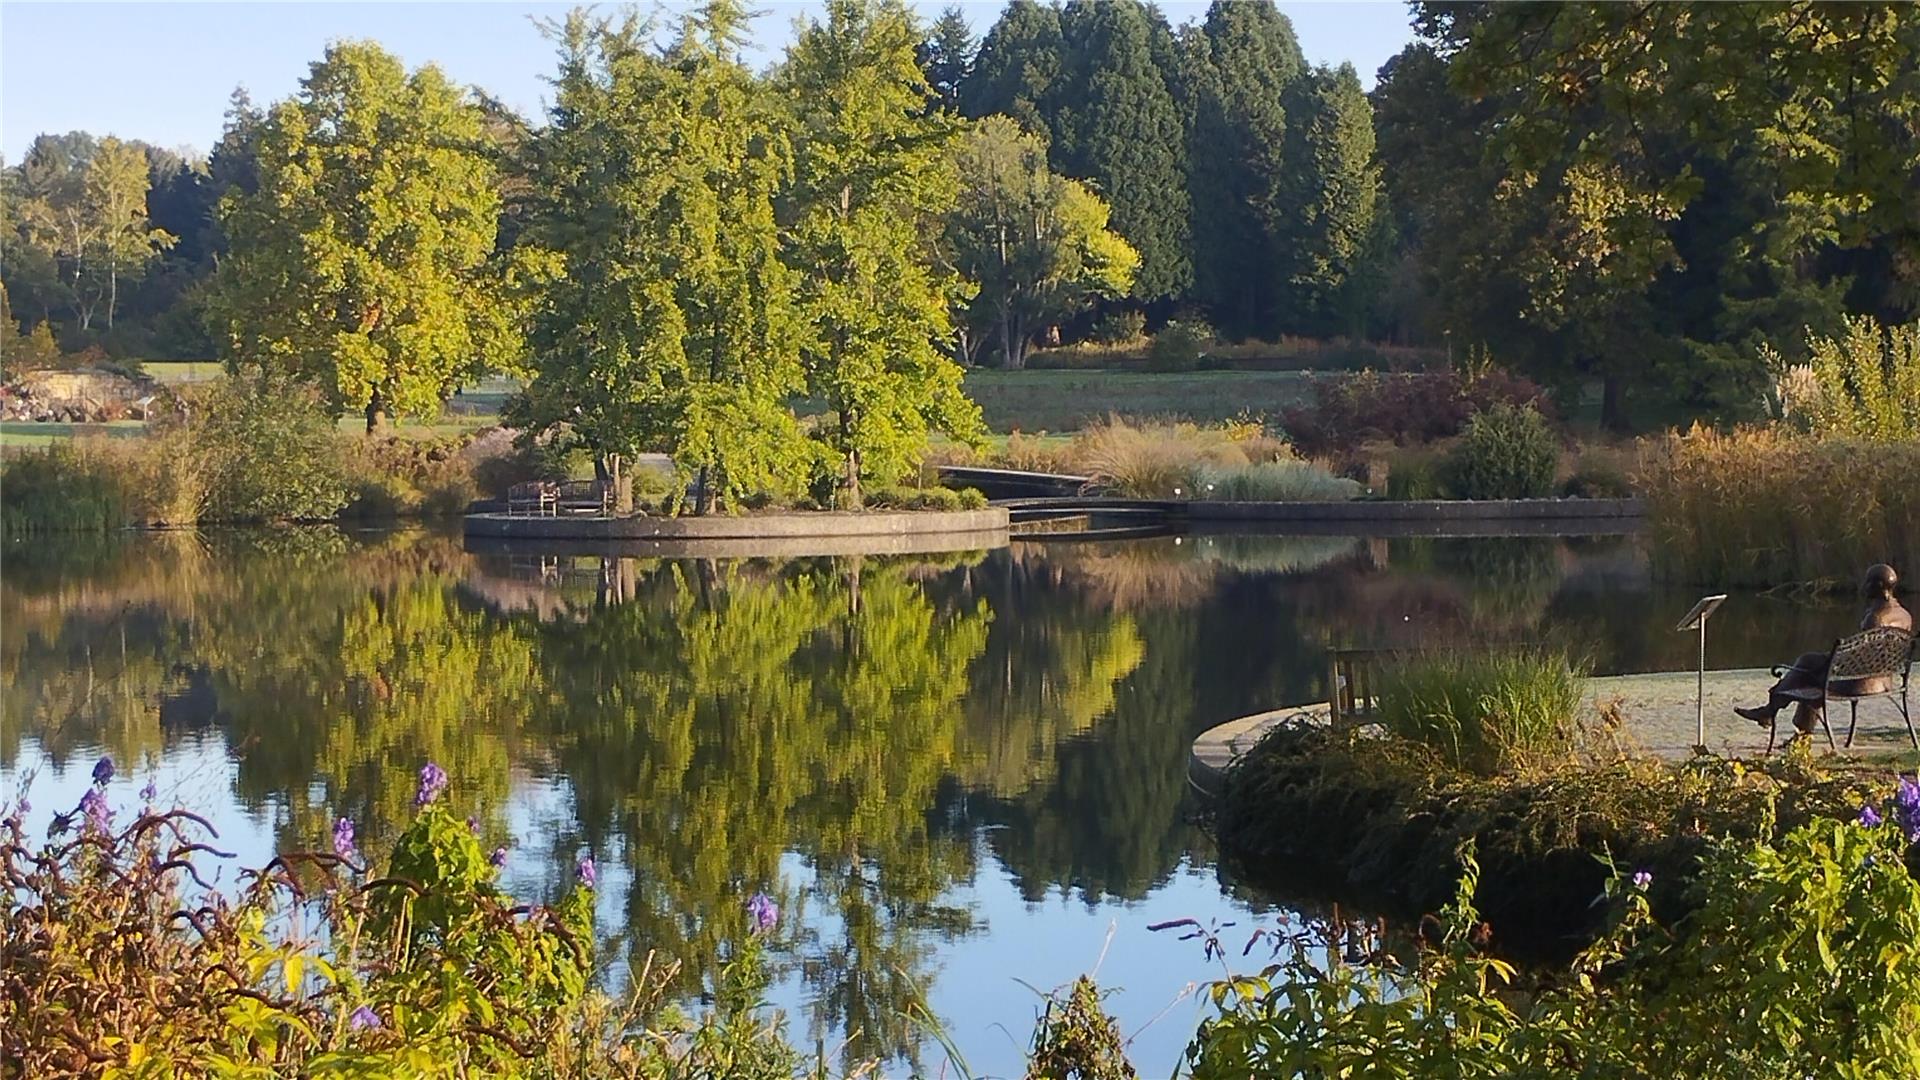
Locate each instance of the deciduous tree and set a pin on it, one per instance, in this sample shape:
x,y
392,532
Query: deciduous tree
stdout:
x,y
873,174
1036,243
365,259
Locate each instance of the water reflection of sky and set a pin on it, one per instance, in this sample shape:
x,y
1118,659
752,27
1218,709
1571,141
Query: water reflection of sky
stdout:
x,y
960,775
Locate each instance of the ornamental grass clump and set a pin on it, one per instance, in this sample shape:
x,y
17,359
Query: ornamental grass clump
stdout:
x,y
1485,712
1275,481
1165,460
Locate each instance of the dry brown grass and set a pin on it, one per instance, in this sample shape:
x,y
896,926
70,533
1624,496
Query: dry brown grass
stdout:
x,y
1765,506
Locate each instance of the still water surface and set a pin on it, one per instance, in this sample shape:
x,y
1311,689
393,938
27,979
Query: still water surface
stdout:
x,y
958,774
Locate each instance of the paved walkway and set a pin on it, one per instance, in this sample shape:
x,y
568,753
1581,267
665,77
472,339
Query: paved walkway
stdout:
x,y
1657,710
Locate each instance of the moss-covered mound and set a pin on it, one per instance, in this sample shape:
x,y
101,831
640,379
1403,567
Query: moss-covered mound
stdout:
x,y
1379,820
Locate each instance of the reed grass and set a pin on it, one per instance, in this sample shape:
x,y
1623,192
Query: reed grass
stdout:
x,y
1759,507
1485,712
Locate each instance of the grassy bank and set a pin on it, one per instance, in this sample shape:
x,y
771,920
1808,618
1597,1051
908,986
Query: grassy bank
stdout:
x,y
1382,820
1035,401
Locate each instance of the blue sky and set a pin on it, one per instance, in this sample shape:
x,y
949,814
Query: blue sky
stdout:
x,y
162,72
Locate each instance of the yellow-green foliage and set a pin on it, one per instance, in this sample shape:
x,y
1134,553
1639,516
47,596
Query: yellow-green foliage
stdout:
x,y
1764,506
1803,959
1485,711
1864,384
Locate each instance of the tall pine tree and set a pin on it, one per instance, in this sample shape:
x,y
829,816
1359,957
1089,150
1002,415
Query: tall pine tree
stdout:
x,y
1330,197
1237,68
1121,131
1016,68
946,57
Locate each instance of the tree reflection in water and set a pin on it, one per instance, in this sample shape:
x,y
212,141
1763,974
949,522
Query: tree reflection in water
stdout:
x,y
849,735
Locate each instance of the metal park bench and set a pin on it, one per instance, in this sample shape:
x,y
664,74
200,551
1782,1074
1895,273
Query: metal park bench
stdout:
x,y
584,497
1878,657
535,498
550,498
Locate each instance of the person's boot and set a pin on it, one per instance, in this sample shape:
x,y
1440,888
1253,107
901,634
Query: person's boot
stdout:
x,y
1759,714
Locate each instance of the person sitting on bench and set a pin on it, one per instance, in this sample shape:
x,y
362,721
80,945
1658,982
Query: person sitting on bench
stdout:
x,y
1810,670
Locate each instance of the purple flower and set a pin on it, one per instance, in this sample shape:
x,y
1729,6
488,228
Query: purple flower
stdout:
x,y
149,793
1906,807
343,845
364,1019
103,769
1869,817
498,859
473,825
763,913
586,871
433,781
1642,879
94,805
25,806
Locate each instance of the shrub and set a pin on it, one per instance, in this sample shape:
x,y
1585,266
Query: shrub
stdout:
x,y
1416,476
1149,460
77,487
1484,712
927,498
1804,955
1763,506
1351,410
1179,346
1506,452
1275,481
1120,327
417,964
1864,384
268,450
1597,479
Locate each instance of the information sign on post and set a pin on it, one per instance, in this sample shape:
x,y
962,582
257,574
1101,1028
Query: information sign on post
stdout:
x,y
1696,619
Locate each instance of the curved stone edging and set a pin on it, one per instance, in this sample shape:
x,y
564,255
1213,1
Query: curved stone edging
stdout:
x,y
1218,747
817,524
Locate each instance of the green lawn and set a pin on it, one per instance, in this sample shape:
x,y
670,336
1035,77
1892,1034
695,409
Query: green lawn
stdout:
x,y
28,434
1031,401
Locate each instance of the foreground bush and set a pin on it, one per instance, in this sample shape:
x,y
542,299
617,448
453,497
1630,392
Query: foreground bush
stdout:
x,y
1388,816
1801,959
1504,452
1765,506
1485,711
115,960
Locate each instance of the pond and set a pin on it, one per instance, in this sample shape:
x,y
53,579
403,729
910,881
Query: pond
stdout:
x,y
961,776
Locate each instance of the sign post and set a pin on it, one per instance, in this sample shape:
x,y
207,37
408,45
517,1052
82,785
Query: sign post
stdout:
x,y
1696,619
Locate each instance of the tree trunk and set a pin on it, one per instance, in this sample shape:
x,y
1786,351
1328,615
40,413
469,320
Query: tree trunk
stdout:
x,y
702,497
622,487
1613,403
113,293
855,498
376,413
